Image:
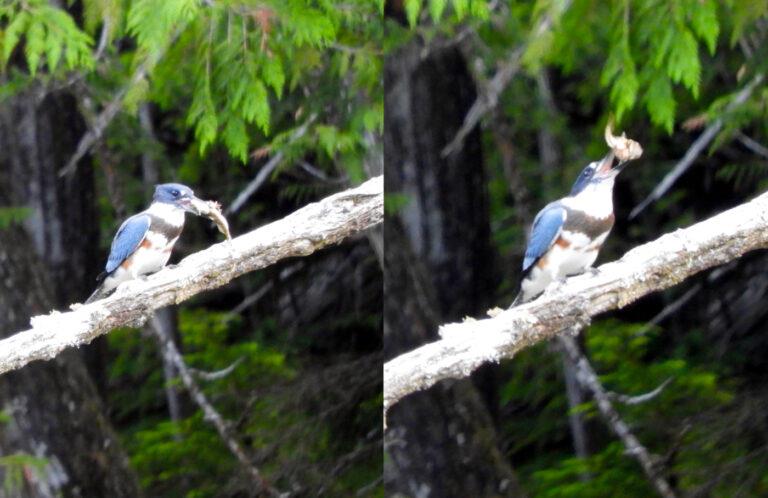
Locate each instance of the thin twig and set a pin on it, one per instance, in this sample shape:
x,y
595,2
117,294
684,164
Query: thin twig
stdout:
x,y
105,117
640,398
697,147
103,39
589,379
489,98
252,299
212,416
753,145
160,325
266,170
217,374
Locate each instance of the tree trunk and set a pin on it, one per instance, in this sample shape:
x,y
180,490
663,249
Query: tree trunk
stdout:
x,y
37,137
54,408
439,266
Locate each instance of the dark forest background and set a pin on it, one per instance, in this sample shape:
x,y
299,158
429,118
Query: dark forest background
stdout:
x,y
683,77
279,100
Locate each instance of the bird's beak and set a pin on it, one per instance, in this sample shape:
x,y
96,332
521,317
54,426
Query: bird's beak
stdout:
x,y
604,169
189,204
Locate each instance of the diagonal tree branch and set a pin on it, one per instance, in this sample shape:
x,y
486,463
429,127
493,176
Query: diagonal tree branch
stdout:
x,y
697,147
507,70
651,267
305,231
211,415
588,378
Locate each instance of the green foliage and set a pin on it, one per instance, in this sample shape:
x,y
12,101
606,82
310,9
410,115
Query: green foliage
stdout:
x,y
242,72
188,458
623,355
168,454
437,8
641,52
611,474
16,468
243,60
48,34
13,215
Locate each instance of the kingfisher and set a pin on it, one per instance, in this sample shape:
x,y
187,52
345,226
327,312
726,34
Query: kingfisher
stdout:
x,y
144,241
567,234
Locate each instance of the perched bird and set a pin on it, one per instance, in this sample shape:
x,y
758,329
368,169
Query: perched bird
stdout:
x,y
568,233
144,241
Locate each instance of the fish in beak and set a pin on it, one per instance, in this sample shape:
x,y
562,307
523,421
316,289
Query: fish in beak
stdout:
x,y
191,204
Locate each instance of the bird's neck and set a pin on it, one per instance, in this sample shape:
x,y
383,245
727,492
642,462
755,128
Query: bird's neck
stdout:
x,y
167,213
595,200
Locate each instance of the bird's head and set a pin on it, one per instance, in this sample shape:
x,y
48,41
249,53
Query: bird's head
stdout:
x,y
177,195
598,172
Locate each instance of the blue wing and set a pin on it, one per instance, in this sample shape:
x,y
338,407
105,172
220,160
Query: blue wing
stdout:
x,y
546,228
128,238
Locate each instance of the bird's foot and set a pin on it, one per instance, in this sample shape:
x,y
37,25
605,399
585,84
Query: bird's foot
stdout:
x,y
555,286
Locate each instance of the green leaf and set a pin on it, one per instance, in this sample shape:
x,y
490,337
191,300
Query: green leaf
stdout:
x,y
135,95
436,9
13,33
661,103
461,7
206,128
35,45
236,138
412,9
704,22
273,75
327,137
683,64
256,105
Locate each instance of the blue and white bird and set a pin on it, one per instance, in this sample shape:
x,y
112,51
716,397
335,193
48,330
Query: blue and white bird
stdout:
x,y
144,241
568,233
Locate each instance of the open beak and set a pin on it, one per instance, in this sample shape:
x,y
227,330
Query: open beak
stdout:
x,y
606,164
606,167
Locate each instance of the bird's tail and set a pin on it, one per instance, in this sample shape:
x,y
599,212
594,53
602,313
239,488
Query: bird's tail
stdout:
x,y
100,291
518,300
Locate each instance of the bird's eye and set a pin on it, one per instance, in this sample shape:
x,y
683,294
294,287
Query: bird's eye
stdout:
x,y
175,193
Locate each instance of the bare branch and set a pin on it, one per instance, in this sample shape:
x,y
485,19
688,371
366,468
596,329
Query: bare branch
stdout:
x,y
489,98
640,398
105,117
588,378
753,145
101,122
697,147
648,268
307,230
218,374
172,355
266,170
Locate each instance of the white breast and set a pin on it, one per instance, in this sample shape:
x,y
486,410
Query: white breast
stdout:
x,y
152,256
596,200
167,212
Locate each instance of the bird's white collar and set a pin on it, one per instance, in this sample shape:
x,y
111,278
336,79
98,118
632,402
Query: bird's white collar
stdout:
x,y
596,200
169,213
